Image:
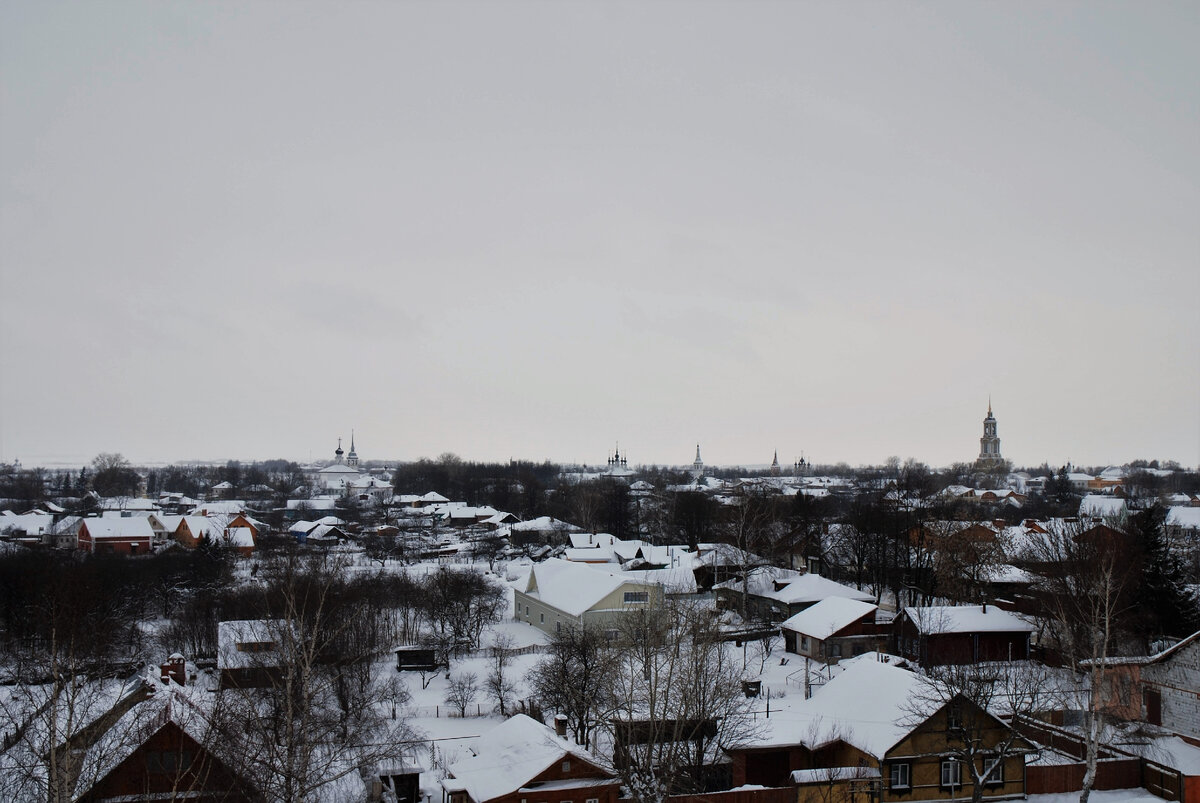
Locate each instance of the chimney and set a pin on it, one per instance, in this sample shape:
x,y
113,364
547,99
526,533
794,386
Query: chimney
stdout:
x,y
985,606
174,669
560,726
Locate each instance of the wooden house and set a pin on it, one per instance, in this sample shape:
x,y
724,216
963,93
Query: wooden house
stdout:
x,y
523,761
867,732
964,634
834,628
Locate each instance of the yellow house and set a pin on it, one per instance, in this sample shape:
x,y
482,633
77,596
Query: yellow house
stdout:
x,y
561,593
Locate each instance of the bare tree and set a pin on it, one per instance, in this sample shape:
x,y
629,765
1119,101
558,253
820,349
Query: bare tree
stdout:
x,y
462,690
573,679
676,700
969,701
306,716
1086,585
500,684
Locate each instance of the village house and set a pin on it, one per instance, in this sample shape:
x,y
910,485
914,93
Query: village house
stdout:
x,y
249,654
191,530
560,594
872,731
123,535
1162,689
161,750
965,634
523,761
834,628
774,594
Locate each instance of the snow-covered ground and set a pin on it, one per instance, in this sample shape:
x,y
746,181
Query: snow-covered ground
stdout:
x,y
1110,796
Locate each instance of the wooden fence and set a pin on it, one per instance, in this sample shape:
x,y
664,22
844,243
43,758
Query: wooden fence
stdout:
x,y
1115,769
766,795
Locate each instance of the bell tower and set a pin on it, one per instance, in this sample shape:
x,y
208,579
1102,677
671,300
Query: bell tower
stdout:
x,y
989,444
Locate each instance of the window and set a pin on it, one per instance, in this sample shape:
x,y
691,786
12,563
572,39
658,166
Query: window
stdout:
x,y
611,635
542,618
993,770
636,597
566,766
167,761
592,800
804,643
954,716
901,776
835,650
951,773
558,627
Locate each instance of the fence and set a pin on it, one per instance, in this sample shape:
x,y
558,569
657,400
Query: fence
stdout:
x,y
770,795
1115,769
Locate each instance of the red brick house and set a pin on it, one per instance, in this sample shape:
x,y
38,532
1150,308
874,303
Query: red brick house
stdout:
x,y
523,761
124,535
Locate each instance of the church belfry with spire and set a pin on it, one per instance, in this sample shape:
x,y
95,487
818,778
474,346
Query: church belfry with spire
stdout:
x,y
989,444
352,457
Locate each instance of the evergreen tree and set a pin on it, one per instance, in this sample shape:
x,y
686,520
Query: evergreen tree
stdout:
x,y
1165,606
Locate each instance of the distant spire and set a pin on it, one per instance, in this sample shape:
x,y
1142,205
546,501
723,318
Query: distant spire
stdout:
x,y
698,453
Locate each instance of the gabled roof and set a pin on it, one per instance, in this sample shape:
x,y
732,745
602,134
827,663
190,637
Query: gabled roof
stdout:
x,y
199,526
945,619
509,756
571,587
829,616
183,708
867,706
118,527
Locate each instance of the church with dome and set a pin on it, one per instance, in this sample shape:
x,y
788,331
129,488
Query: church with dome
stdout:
x,y
343,476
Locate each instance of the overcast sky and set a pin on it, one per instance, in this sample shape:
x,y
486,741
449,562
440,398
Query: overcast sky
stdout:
x,y
508,229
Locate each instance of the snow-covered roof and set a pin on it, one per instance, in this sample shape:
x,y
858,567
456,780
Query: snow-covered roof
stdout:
x,y
590,556
509,756
543,524
1187,518
942,619
248,631
795,588
119,527
867,706
572,587
127,503
240,536
1098,505
185,707
591,540
199,526
30,523
829,616
674,580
